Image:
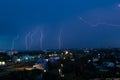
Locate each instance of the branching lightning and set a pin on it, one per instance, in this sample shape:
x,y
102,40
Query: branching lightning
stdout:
x,y
97,24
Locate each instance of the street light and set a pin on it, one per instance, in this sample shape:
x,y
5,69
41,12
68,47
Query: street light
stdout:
x,y
3,63
0,63
18,60
66,52
45,71
59,71
61,65
71,53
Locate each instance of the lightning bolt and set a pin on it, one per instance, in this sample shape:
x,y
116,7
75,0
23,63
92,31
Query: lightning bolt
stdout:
x,y
59,40
13,42
26,40
31,38
41,40
97,24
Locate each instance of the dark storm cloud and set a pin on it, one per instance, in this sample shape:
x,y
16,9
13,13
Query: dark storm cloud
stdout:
x,y
18,17
7,28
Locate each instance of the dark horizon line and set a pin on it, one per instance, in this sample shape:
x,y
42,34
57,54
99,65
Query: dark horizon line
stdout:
x,y
60,49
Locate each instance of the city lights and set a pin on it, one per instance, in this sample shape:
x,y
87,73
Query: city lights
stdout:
x,y
64,58
26,58
46,60
62,75
45,71
59,70
61,65
59,39
18,60
2,62
66,52
89,61
71,53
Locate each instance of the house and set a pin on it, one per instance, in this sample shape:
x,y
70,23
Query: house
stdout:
x,y
11,52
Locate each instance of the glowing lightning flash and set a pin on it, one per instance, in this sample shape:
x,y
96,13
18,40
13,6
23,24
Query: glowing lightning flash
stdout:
x,y
26,41
13,42
41,40
60,40
31,38
97,24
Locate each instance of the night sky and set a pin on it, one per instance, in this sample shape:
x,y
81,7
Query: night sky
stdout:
x,y
82,24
